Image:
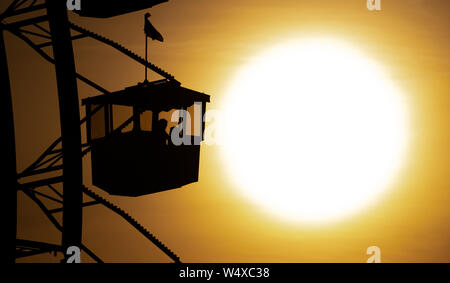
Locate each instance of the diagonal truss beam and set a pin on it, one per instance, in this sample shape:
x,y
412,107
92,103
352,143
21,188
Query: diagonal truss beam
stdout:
x,y
54,221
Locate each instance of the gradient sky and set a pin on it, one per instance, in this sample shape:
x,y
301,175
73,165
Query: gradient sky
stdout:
x,y
206,43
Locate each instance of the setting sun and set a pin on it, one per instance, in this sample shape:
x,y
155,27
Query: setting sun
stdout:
x,y
314,130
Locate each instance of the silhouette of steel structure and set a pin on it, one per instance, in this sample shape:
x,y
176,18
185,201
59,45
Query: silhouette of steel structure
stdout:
x,y
61,162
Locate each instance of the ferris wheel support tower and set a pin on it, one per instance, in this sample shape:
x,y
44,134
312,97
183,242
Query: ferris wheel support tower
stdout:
x,y
70,122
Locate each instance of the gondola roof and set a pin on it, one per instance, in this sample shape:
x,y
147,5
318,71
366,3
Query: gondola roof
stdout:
x,y
162,95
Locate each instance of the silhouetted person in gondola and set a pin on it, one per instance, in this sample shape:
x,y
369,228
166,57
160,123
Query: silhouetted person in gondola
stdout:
x,y
160,134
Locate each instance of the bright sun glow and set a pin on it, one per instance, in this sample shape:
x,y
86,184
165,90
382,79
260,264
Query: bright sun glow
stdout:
x,y
314,130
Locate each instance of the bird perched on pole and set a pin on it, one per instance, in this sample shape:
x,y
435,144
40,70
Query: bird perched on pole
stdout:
x,y
151,31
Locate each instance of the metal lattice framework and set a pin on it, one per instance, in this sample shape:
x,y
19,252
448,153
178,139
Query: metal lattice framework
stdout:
x,y
46,172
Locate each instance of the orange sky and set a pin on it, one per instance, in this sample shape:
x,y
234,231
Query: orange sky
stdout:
x,y
206,42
